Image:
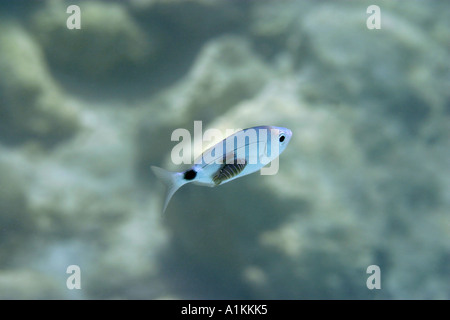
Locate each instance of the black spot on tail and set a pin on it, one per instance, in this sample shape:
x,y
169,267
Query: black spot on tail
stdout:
x,y
190,175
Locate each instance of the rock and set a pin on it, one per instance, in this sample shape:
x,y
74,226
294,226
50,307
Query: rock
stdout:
x,y
272,25
109,45
292,217
225,72
364,180
399,63
16,221
29,285
191,21
69,188
130,266
32,106
89,211
312,229
183,28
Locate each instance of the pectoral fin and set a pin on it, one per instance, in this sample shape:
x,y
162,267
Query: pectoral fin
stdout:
x,y
228,171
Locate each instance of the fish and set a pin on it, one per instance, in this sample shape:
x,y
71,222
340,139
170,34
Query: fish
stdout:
x,y
242,153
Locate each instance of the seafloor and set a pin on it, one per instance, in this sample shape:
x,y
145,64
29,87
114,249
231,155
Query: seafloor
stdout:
x,y
364,181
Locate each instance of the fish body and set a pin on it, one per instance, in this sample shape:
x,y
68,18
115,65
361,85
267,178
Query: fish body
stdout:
x,y
240,154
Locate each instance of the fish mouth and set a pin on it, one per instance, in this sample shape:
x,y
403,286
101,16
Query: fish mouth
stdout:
x,y
289,132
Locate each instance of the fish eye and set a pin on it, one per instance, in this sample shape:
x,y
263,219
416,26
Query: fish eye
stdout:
x,y
282,137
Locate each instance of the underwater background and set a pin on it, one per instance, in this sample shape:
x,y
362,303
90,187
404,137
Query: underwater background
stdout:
x,y
364,181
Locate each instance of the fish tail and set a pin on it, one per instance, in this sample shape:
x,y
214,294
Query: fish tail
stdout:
x,y
172,180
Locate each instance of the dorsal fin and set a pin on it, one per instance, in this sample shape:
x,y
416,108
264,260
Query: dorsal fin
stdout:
x,y
228,171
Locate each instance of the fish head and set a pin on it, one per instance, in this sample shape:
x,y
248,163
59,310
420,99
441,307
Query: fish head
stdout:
x,y
283,136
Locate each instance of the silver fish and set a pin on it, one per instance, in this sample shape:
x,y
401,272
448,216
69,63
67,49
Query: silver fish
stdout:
x,y
239,154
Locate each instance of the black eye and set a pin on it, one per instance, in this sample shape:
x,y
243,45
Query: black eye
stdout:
x,y
282,137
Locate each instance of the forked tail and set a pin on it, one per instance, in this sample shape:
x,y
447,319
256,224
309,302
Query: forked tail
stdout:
x,y
172,180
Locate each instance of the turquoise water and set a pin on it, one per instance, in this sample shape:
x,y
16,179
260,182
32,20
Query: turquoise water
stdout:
x,y
364,182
